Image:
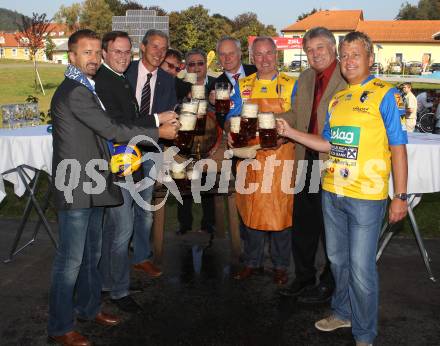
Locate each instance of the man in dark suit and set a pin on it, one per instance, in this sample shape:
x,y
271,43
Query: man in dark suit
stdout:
x,y
83,187
196,62
316,87
155,93
120,103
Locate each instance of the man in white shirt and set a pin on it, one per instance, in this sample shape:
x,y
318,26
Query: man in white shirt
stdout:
x,y
410,107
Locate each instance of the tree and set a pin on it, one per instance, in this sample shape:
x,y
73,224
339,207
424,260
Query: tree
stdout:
x,y
306,14
32,35
425,9
69,15
49,48
159,10
96,15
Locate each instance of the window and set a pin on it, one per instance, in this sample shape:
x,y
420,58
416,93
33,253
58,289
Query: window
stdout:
x,y
399,57
2,52
14,51
26,51
2,39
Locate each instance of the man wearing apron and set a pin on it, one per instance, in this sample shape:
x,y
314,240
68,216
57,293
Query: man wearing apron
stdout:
x,y
264,212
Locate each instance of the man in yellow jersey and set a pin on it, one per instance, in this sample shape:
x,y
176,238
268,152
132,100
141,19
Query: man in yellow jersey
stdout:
x,y
364,137
265,212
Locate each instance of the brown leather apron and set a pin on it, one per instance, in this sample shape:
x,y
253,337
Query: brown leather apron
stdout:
x,y
267,211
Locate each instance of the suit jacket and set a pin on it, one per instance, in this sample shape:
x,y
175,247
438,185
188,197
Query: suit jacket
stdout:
x,y
303,103
248,70
164,98
80,133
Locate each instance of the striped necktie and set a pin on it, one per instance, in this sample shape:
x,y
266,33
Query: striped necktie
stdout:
x,y
146,97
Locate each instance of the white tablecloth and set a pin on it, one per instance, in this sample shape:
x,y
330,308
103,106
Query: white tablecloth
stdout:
x,y
423,163
31,146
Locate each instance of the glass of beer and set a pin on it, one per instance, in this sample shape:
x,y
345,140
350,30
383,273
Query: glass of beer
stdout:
x,y
222,101
249,121
201,118
178,173
198,92
238,139
190,77
267,130
190,107
185,135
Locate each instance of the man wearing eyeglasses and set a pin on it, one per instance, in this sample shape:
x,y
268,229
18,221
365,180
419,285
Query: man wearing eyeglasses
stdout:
x,y
120,103
196,62
173,65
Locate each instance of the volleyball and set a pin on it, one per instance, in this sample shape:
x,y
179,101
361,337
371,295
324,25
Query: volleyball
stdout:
x,y
125,160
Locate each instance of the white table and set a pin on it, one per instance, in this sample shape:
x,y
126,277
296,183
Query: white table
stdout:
x,y
423,151
26,152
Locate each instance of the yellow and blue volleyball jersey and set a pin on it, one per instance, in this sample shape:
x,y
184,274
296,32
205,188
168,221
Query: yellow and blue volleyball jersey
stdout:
x,y
250,87
362,121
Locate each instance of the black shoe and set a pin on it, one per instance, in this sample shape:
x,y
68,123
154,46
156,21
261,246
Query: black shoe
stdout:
x,y
296,288
316,295
127,304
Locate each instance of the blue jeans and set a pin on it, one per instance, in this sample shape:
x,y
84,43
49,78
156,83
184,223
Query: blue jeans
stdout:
x,y
115,264
143,220
352,229
253,247
76,286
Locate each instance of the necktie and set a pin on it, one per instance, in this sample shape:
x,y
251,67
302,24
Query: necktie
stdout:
x,y
313,124
236,77
146,97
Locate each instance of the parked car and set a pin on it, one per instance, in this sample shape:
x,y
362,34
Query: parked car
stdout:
x,y
376,68
297,65
413,67
435,66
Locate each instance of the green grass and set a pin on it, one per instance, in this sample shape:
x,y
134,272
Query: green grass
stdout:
x,y
17,81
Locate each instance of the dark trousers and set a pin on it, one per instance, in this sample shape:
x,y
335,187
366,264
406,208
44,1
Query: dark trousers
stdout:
x,y
184,213
308,227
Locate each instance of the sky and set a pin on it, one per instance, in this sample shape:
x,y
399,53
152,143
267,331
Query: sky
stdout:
x,y
279,13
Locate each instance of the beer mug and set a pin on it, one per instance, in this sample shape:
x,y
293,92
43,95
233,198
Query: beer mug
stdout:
x,y
267,130
190,77
201,118
178,173
249,121
185,135
222,101
190,107
238,139
198,92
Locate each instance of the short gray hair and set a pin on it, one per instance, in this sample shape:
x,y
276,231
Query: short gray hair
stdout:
x,y
154,32
230,39
358,36
318,31
195,51
263,39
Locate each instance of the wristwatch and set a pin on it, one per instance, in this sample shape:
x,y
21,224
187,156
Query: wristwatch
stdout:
x,y
402,196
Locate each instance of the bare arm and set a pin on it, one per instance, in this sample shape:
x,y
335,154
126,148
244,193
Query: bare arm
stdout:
x,y
398,208
311,141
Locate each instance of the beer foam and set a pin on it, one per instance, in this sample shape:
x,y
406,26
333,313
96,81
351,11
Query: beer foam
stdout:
x,y
249,110
191,77
177,167
235,124
221,94
266,121
203,105
187,121
193,174
190,107
198,92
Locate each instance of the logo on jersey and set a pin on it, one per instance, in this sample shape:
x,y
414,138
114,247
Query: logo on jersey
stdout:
x,y
378,84
399,101
348,97
345,135
364,95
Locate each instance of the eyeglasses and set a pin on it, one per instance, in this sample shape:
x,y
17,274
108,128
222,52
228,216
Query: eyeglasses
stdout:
x,y
194,63
173,67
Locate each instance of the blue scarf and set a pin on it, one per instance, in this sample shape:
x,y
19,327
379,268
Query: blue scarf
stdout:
x,y
74,73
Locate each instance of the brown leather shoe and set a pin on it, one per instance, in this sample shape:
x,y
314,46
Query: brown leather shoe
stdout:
x,y
70,339
106,319
149,268
280,277
247,272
